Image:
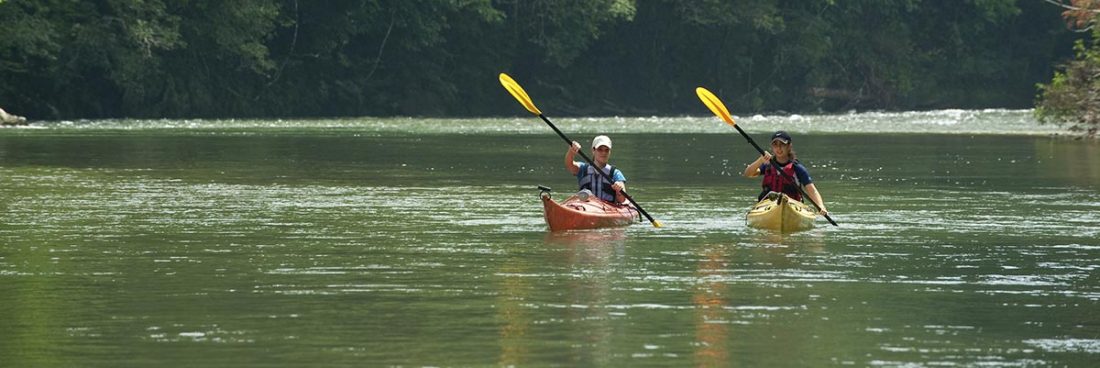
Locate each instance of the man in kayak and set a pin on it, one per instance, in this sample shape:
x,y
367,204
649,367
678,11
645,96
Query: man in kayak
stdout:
x,y
587,176
774,181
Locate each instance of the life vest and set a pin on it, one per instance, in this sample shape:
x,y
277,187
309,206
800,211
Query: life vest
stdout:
x,y
595,182
786,184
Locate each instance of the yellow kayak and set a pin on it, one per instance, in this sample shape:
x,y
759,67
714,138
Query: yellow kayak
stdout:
x,y
779,212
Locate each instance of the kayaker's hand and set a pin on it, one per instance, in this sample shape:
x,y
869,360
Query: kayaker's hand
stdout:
x,y
824,212
617,187
576,147
767,157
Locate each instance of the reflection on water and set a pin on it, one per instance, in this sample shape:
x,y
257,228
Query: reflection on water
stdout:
x,y
515,322
1077,162
588,245
584,272
712,328
772,241
589,257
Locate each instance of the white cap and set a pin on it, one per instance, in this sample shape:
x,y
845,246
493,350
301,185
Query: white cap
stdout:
x,y
601,140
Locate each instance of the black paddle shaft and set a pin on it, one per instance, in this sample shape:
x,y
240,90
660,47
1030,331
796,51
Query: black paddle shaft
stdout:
x,y
775,164
606,176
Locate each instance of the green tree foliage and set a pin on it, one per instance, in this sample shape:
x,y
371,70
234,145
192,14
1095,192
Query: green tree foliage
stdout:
x,y
823,55
67,57
257,58
1073,96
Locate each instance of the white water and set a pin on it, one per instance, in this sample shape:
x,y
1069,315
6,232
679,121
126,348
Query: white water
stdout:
x,y
989,121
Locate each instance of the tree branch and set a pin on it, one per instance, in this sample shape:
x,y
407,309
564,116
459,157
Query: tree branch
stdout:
x,y
293,44
378,59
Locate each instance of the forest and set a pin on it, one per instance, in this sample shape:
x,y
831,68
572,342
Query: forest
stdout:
x,y
64,59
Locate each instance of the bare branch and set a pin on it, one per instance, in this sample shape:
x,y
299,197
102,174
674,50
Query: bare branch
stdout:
x,y
382,47
1072,7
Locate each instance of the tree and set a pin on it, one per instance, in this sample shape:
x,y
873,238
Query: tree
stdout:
x,y
65,59
1073,96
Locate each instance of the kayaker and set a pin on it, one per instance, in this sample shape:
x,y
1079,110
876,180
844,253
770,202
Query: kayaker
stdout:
x,y
774,182
589,179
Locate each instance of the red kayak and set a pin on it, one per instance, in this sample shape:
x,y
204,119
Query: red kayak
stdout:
x,y
586,213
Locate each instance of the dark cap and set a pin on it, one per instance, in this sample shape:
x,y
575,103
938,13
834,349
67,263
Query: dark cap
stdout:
x,y
782,136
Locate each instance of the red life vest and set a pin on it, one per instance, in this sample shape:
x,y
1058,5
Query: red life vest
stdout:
x,y
774,182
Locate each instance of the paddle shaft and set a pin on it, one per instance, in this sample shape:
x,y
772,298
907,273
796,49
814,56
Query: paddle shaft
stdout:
x,y
606,176
775,164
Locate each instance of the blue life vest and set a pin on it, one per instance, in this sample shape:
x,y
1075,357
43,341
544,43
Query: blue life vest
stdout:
x,y
595,182
786,184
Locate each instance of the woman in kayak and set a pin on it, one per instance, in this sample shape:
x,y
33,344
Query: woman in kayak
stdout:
x,y
774,181
587,176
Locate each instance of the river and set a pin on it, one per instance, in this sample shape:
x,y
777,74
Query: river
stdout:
x,y
965,238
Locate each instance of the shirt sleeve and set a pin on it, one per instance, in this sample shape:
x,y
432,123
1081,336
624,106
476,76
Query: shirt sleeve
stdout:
x,y
618,176
762,169
803,175
584,169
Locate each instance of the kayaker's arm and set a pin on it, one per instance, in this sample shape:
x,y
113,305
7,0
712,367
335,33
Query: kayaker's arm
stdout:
x,y
569,163
811,190
753,170
619,187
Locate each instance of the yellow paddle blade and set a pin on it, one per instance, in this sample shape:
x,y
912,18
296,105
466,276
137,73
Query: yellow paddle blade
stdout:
x,y
518,92
715,105
656,223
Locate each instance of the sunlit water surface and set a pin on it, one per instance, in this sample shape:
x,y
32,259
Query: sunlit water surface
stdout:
x,y
965,238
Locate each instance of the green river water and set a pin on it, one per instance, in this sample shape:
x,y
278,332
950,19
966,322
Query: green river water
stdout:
x,y
966,238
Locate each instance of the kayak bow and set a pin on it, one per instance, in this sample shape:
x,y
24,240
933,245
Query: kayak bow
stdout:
x,y
576,213
779,212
